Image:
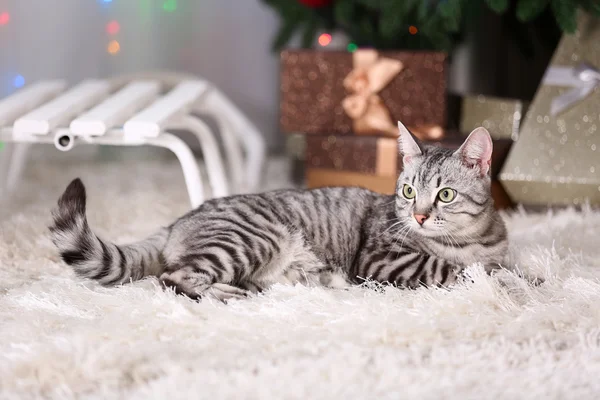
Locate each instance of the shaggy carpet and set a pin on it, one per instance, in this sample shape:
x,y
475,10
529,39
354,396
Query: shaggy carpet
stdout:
x,y
496,338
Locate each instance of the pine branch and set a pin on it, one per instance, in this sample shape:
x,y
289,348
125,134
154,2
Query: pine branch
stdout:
x,y
499,6
565,12
528,10
284,34
310,31
385,23
450,13
592,6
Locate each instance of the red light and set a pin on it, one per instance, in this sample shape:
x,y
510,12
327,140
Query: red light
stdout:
x,y
324,39
413,30
4,18
113,27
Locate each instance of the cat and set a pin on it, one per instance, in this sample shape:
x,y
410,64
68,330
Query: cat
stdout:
x,y
440,220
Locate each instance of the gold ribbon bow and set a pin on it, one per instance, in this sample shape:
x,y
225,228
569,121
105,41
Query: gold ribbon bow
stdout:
x,y
364,106
369,115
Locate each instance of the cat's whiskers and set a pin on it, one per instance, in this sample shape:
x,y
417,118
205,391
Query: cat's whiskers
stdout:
x,y
405,236
400,221
452,248
447,240
400,231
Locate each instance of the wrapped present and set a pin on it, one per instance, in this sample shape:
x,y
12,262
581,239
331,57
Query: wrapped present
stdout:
x,y
366,161
363,93
363,154
374,162
322,177
501,117
557,157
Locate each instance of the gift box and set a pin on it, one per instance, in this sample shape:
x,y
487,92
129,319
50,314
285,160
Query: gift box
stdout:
x,y
366,161
500,116
363,154
556,159
374,162
363,93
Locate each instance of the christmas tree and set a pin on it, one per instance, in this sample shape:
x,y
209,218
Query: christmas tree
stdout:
x,y
409,24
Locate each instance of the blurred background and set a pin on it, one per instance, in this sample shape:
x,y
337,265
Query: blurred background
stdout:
x,y
77,39
495,53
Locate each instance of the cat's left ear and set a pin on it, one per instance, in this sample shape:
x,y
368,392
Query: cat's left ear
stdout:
x,y
408,146
476,151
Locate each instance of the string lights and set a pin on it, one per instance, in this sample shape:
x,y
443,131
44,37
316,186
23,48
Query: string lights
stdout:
x,y
324,39
19,81
170,5
113,27
113,47
4,18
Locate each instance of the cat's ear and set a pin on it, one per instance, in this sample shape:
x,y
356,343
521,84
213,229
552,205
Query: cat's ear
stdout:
x,y
476,151
407,144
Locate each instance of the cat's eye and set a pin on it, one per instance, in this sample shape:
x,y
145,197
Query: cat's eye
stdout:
x,y
446,195
408,191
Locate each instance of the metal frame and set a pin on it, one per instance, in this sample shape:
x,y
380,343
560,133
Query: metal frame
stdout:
x,y
143,117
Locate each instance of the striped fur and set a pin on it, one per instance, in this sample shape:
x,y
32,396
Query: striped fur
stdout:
x,y
94,258
230,247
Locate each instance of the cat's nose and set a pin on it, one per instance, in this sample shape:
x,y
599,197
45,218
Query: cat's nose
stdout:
x,y
420,218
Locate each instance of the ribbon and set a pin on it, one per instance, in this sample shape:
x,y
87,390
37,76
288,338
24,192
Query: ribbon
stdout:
x,y
369,115
583,79
364,106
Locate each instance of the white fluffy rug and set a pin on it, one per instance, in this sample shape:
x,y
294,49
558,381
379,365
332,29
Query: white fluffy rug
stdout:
x,y
497,338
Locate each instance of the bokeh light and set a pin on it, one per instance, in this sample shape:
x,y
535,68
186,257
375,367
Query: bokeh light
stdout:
x,y
170,5
19,81
324,39
352,47
412,30
113,27
113,47
4,18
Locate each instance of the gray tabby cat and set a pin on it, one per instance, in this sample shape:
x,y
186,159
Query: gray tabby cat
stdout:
x,y
440,220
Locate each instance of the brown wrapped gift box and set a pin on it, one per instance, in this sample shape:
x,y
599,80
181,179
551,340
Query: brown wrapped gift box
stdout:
x,y
364,154
312,90
373,162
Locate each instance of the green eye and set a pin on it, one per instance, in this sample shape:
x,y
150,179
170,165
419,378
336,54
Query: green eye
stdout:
x,y
408,191
447,195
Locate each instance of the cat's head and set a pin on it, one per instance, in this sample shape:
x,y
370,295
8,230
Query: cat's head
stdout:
x,y
440,191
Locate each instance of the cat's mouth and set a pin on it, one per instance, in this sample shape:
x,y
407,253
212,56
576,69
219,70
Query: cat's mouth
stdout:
x,y
427,229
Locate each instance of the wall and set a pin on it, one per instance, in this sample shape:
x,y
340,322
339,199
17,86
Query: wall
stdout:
x,y
224,41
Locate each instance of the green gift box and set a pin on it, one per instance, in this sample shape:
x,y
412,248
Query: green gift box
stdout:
x,y
500,116
556,159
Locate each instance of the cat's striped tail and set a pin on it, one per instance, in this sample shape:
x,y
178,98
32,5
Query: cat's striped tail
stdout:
x,y
94,258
